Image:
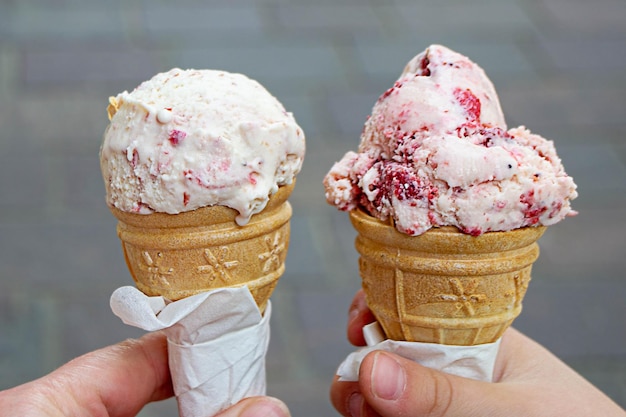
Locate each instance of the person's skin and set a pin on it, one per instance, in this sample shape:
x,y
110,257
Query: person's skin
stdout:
x,y
116,381
529,381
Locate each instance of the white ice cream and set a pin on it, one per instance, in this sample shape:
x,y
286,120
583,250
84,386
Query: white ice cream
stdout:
x,y
192,138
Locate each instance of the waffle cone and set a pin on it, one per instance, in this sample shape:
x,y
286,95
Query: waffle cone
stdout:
x,y
444,286
176,256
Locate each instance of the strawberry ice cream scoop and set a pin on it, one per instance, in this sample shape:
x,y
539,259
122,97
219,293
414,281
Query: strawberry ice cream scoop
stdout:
x,y
439,91
193,138
436,152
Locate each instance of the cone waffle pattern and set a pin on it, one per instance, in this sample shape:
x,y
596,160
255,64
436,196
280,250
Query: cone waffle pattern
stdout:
x,y
176,256
444,286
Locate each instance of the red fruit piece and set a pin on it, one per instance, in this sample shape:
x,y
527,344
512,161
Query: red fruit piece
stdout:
x,y
176,136
470,103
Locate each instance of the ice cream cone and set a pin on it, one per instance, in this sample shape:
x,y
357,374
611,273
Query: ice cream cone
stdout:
x,y
176,256
444,286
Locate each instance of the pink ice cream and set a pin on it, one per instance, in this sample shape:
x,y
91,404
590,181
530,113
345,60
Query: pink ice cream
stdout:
x,y
436,152
193,138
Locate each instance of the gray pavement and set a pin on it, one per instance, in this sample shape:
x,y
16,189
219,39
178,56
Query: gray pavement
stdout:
x,y
559,67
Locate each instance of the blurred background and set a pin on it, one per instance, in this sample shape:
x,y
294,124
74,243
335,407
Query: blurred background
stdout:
x,y
559,67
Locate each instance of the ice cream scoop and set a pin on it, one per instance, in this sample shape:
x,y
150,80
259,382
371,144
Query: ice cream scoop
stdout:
x,y
436,152
187,139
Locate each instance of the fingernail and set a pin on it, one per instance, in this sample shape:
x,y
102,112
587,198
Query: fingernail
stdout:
x,y
355,405
268,408
388,377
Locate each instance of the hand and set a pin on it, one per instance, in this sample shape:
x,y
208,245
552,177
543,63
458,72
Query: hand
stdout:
x,y
115,381
529,381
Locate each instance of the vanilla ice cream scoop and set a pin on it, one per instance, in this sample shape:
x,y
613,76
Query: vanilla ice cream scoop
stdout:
x,y
436,152
187,139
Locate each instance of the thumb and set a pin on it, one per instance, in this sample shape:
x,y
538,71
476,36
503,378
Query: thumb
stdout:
x,y
394,386
261,406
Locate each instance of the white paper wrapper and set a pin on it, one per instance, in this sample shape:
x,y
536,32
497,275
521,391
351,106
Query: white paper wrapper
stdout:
x,y
476,362
217,343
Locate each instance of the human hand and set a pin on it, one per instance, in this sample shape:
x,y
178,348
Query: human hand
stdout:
x,y
115,381
528,381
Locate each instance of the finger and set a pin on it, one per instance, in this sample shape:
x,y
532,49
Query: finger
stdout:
x,y
516,356
120,379
524,362
521,358
394,386
257,407
359,315
347,399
